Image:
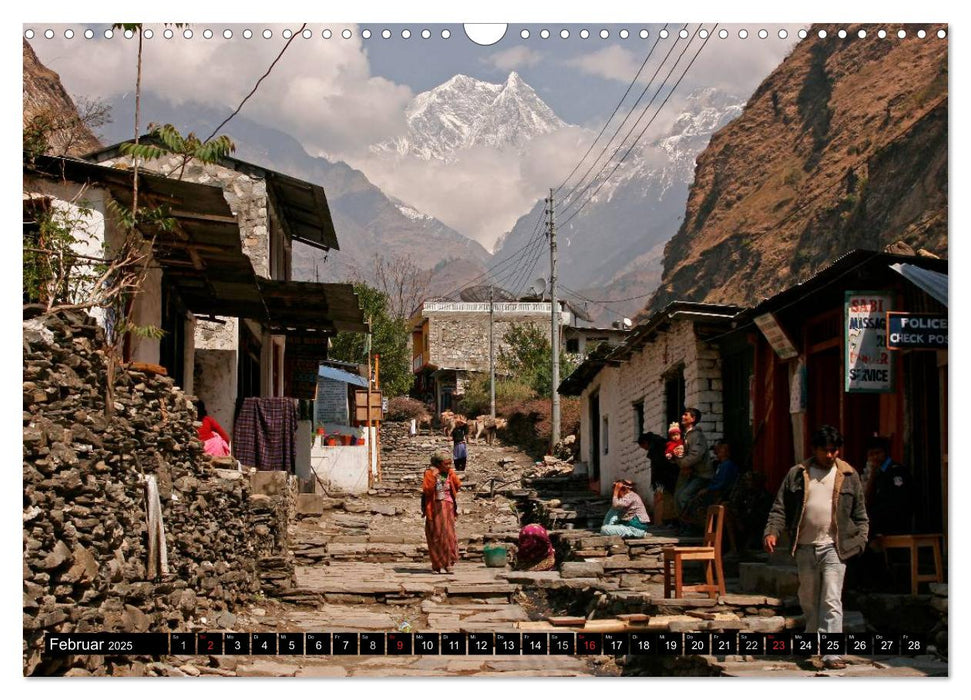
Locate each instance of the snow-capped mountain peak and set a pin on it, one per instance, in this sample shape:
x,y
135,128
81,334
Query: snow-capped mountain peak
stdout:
x,y
464,112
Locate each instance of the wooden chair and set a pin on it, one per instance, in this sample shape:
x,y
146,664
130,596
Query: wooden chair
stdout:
x,y
914,543
710,553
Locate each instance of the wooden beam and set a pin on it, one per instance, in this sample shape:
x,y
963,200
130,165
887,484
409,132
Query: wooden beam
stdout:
x,y
196,258
219,218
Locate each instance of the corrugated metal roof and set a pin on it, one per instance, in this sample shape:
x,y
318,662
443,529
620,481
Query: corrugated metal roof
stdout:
x,y
340,375
934,283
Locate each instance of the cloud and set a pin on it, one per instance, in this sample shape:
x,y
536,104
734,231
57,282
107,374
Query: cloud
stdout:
x,y
321,91
515,58
613,63
484,191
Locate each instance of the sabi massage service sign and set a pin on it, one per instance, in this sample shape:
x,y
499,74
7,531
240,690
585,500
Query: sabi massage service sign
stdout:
x,y
868,363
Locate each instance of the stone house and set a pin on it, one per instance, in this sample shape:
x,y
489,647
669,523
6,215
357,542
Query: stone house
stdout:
x,y
450,341
239,354
579,341
81,194
225,328
666,363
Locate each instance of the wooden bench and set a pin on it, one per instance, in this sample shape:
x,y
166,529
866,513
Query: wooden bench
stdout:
x,y
914,544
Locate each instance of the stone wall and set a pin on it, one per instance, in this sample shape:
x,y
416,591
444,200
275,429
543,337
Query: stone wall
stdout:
x,y
261,237
84,515
461,340
245,194
642,379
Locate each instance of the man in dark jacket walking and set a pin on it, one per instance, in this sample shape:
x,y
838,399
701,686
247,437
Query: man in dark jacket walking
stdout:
x,y
821,505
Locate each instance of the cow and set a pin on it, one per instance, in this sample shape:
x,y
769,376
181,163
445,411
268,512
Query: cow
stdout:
x,y
486,425
424,420
447,421
450,420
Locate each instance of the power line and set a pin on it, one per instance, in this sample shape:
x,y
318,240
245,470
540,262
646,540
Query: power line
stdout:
x,y
646,126
579,296
617,301
567,198
523,279
612,114
498,265
256,87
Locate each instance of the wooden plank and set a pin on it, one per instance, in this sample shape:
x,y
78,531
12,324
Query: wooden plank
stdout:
x,y
606,626
198,216
566,621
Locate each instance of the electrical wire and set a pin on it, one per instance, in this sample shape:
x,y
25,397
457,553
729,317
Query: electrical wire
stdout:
x,y
646,126
567,198
612,114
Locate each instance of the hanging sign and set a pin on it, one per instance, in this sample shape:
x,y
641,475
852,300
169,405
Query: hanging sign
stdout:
x,y
868,364
916,331
776,336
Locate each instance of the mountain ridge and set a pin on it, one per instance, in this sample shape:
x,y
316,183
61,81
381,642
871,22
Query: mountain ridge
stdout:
x,y
464,112
843,146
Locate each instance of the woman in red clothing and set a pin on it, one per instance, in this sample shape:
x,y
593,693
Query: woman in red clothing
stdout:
x,y
439,507
213,436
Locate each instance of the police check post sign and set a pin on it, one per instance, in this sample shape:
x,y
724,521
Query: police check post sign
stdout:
x,y
916,331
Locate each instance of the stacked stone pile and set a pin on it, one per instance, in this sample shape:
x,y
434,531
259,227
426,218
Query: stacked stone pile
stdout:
x,y
84,517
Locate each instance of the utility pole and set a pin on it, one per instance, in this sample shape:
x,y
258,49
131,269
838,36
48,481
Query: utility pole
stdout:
x,y
492,359
555,332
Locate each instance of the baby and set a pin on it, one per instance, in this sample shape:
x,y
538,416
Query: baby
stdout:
x,y
675,445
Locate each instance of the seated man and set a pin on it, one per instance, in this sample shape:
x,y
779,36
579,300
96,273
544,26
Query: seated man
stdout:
x,y
718,490
627,516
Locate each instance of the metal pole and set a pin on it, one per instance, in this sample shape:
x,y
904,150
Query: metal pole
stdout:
x,y
367,423
555,331
377,427
492,360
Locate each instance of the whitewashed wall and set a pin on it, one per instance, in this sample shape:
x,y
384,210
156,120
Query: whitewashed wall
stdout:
x,y
642,379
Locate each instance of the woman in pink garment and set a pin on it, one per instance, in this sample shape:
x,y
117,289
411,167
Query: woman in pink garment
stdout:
x,y
213,436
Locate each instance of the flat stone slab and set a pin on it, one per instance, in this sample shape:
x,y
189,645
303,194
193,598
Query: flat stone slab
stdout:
x,y
273,669
321,672
764,624
309,504
481,589
686,602
578,584
529,577
581,569
735,599
626,564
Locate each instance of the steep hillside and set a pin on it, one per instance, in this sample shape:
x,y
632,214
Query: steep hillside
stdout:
x,y
45,97
843,146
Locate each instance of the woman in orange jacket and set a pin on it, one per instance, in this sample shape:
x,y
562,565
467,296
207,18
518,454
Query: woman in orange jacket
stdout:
x,y
439,507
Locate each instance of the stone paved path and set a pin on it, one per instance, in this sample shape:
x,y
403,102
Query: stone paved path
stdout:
x,y
363,567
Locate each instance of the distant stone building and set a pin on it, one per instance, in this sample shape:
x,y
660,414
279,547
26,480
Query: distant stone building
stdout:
x,y
450,340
